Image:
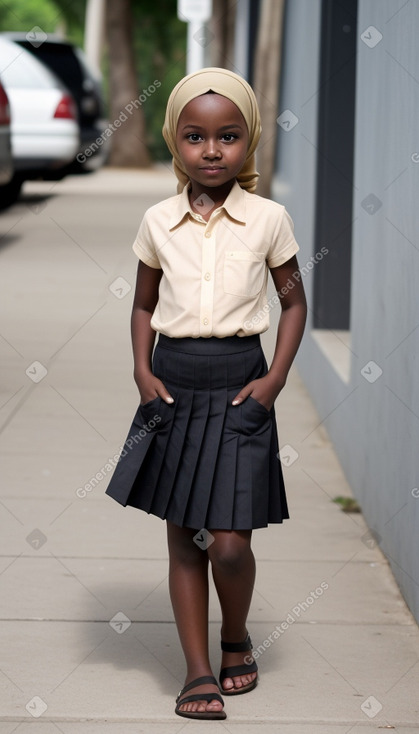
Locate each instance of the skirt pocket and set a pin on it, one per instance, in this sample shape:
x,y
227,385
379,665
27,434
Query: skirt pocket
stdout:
x,y
151,425
249,418
154,414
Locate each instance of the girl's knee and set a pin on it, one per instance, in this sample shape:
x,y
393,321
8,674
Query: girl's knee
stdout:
x,y
182,547
230,553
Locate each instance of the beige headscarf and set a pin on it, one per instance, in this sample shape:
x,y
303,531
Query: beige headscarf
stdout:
x,y
230,85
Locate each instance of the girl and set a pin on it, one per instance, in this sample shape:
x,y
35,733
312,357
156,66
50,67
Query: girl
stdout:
x,y
202,452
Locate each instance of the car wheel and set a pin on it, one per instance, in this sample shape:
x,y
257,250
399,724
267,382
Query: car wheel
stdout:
x,y
9,193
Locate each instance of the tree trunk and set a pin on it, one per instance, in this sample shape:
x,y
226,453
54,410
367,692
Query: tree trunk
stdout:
x,y
221,28
267,67
128,146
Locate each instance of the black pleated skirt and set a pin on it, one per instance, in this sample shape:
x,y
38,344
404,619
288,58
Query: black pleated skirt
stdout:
x,y
202,462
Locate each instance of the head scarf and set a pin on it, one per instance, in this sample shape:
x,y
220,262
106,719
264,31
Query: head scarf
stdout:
x,y
230,85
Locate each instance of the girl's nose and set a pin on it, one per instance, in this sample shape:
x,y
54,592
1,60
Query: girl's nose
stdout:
x,y
212,149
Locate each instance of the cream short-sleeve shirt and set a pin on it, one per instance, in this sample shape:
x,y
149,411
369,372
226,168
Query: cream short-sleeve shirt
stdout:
x,y
215,273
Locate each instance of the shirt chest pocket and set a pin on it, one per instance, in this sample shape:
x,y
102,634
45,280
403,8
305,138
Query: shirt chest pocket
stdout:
x,y
244,272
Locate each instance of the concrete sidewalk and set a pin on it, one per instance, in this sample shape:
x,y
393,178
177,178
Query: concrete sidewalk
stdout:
x,y
88,641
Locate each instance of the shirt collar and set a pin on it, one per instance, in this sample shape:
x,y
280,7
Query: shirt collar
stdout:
x,y
234,206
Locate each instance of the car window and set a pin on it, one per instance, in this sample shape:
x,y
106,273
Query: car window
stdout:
x,y
65,64
88,71
19,70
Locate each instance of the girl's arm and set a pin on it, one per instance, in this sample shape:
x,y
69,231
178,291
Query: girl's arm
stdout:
x,y
290,332
143,336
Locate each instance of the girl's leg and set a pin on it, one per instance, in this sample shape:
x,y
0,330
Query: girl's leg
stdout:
x,y
188,586
233,570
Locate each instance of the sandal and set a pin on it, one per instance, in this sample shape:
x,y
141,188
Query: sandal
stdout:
x,y
236,670
200,697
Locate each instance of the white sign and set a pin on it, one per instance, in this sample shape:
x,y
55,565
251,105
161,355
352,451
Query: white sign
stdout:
x,y
194,11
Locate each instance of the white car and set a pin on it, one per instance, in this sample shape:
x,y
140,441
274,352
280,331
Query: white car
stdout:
x,y
44,124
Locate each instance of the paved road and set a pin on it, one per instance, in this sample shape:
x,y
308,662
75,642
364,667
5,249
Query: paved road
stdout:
x,y
88,643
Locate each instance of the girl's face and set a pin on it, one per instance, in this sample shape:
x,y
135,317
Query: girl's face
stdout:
x,y
212,140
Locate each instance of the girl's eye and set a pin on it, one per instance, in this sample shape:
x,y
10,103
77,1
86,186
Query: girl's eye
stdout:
x,y
196,137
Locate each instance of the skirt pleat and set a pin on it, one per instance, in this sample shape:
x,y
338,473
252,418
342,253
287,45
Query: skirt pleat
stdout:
x,y
222,509
152,461
206,499
201,462
171,461
204,451
182,495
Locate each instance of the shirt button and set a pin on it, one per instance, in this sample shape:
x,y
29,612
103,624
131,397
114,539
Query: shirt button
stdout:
x,y
205,322
207,276
207,234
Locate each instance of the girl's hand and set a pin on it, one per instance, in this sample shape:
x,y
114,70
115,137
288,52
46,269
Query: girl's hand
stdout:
x,y
151,387
265,390
287,281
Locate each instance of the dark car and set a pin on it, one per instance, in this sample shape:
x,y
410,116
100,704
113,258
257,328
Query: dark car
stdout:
x,y
69,63
6,160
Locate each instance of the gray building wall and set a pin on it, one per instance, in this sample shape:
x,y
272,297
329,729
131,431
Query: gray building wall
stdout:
x,y
372,417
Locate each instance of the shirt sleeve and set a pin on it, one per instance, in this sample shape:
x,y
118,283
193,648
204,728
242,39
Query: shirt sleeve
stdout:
x,y
284,244
144,245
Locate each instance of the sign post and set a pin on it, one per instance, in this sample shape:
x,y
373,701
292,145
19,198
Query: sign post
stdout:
x,y
195,13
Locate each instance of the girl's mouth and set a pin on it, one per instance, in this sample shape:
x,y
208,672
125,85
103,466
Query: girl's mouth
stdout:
x,y
212,169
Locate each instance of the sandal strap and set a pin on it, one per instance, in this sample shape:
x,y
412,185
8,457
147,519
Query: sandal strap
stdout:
x,y
236,670
201,697
198,682
237,646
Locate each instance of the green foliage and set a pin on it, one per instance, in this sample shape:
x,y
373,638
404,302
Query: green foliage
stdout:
x,y
73,14
347,504
23,15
